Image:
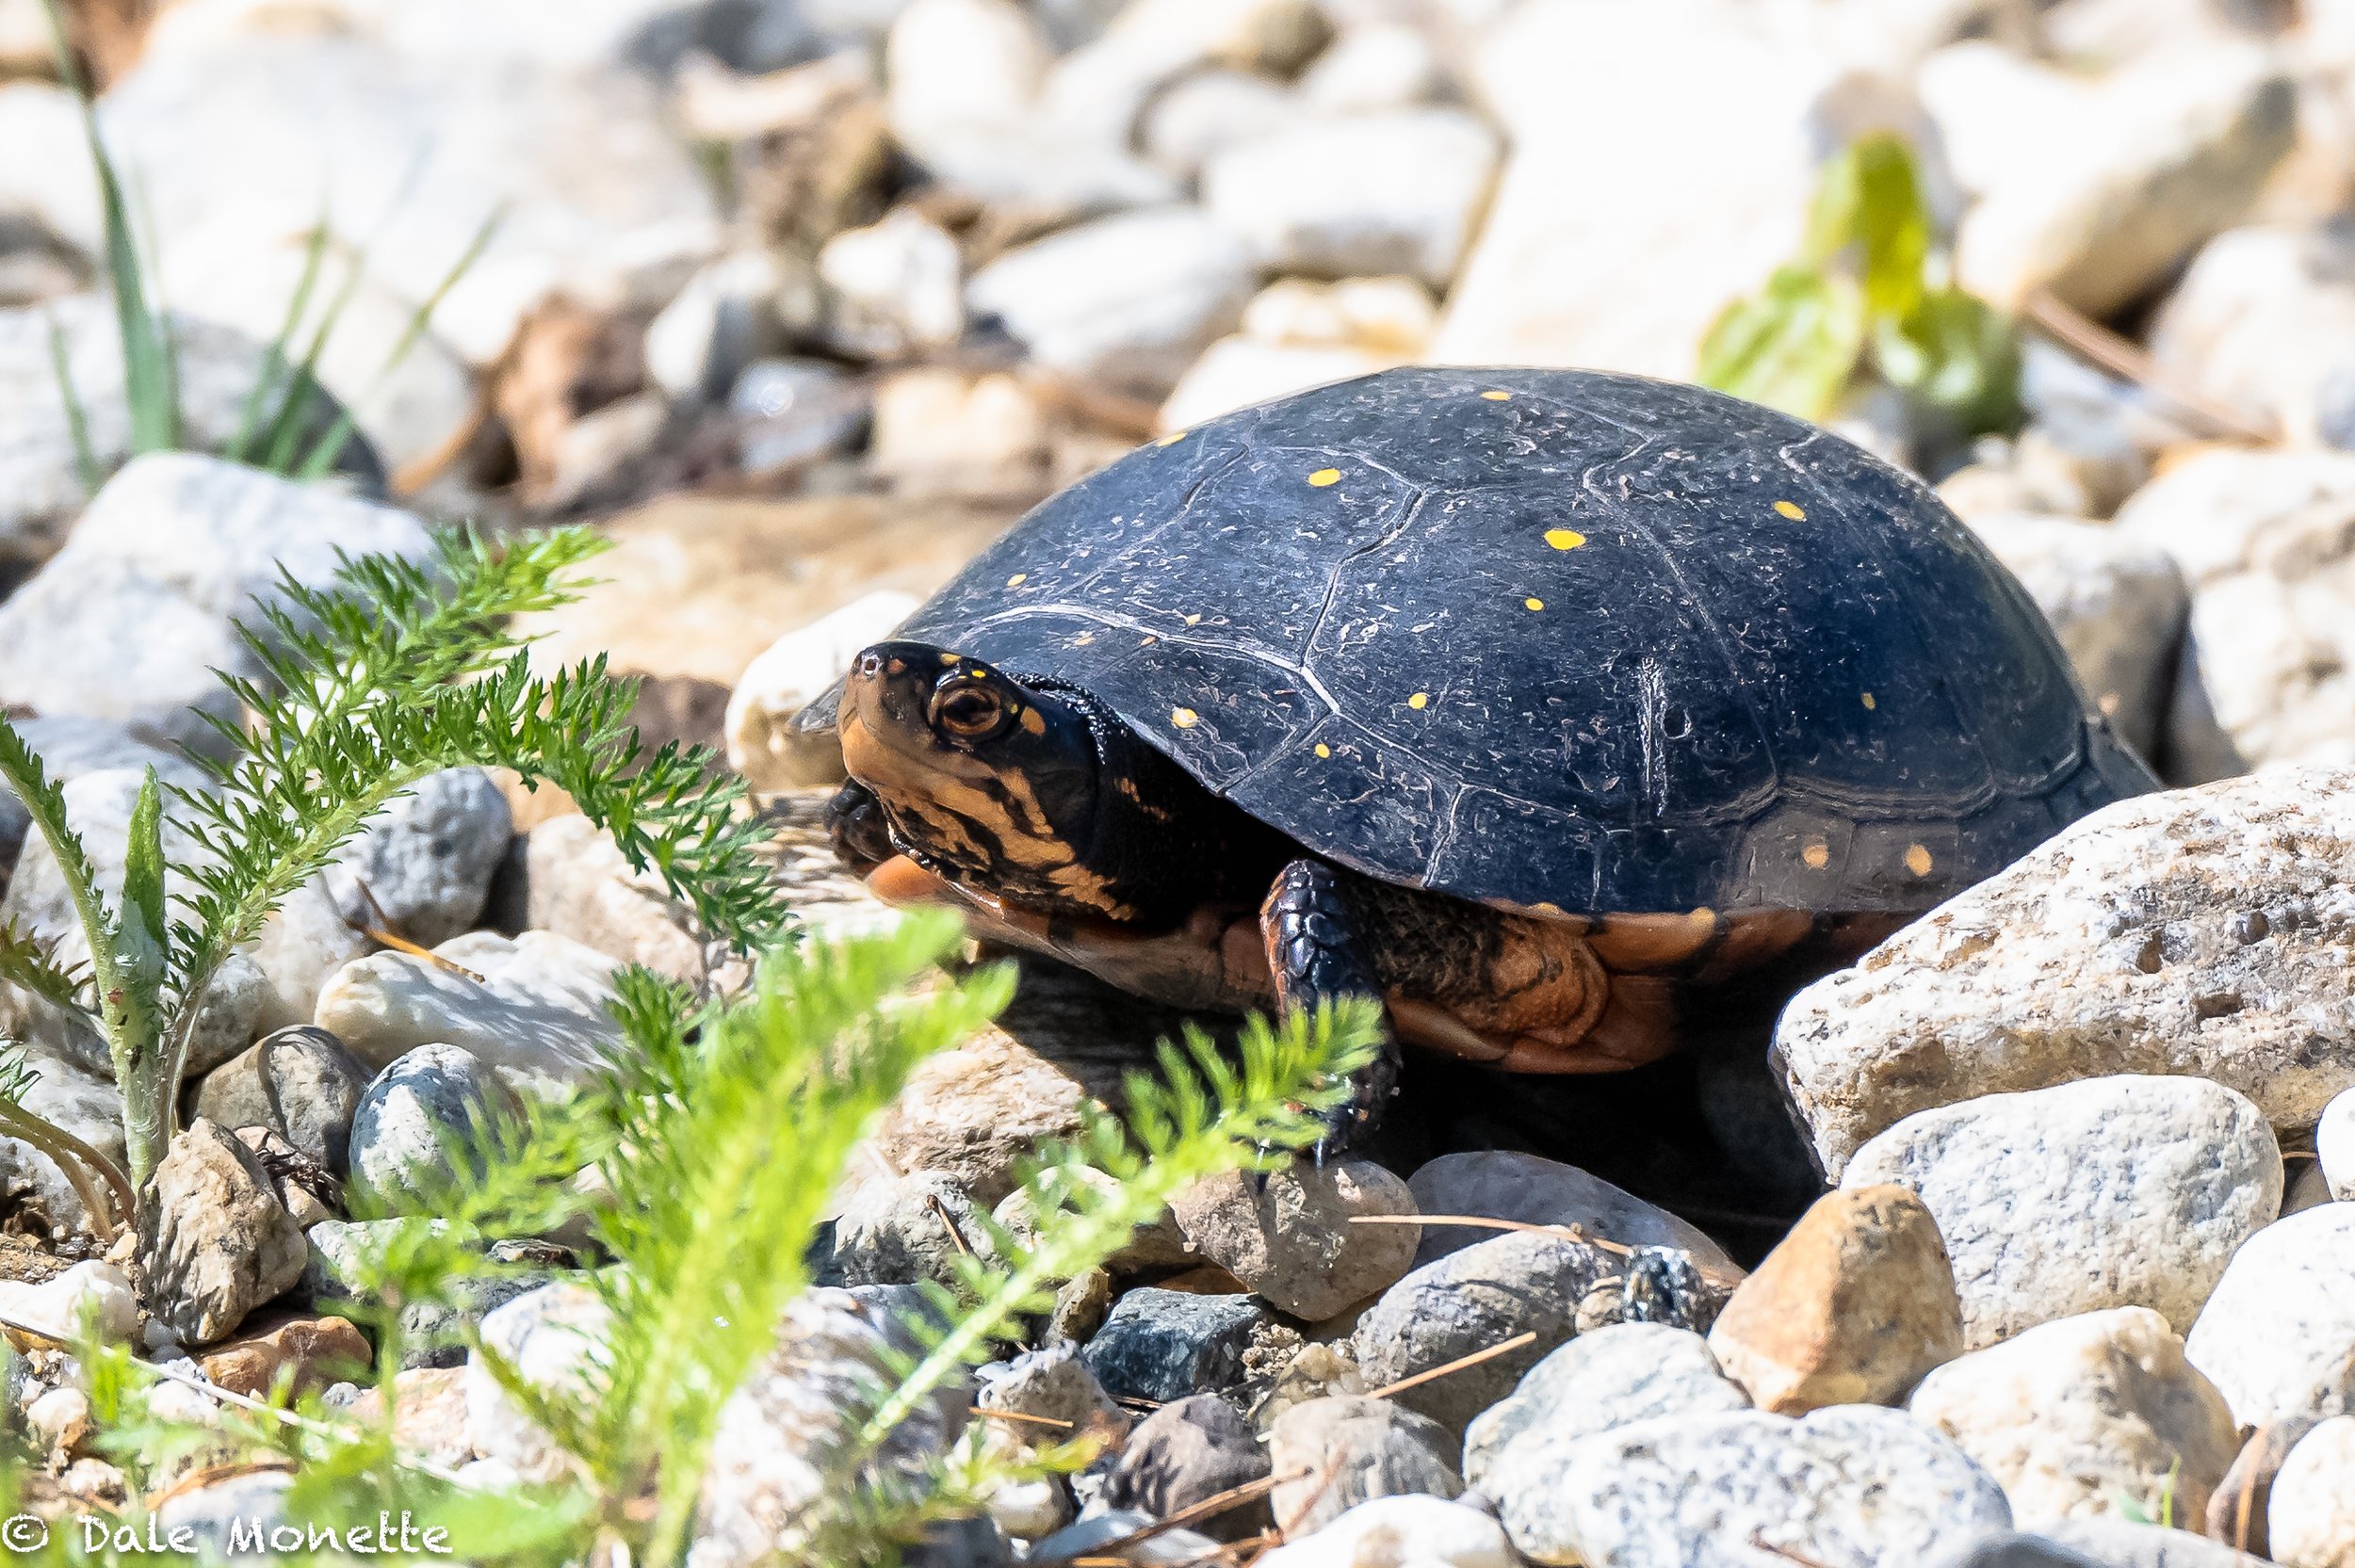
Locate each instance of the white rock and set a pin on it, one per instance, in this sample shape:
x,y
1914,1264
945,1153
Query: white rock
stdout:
x,y
796,670
168,554
552,1337
2095,188
2311,1521
1391,192
2187,933
410,156
56,1306
769,1459
2110,1192
2091,1414
1501,1183
2261,324
1588,256
897,286
1238,372
721,321
959,68
78,1101
49,181
1098,91
1852,1486
1390,314
1376,65
2116,600
2267,541
1207,113
215,1241
1401,1532
2334,1145
539,1014
2282,1318
1606,1378
1127,300
2122,1544
577,886
941,433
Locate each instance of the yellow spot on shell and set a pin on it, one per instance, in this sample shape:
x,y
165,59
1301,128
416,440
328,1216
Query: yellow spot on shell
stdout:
x,y
1017,579
1185,718
1498,396
1034,722
1420,700
1193,621
950,658
1172,439
1817,856
1322,750
1535,604
1791,510
1869,703
1323,476
1564,539
1917,860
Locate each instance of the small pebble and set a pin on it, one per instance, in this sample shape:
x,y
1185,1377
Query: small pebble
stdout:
x,y
436,1104
1290,1238
1188,1451
1401,1532
1166,1345
1354,1449
1603,1378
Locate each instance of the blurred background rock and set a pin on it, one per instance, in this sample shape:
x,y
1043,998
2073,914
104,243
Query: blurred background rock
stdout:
x,y
811,296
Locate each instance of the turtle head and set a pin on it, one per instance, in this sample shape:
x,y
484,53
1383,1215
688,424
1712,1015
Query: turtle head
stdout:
x,y
999,784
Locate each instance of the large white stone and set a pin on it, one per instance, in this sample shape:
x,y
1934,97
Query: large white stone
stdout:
x,y
2261,324
796,670
539,1012
1605,1378
2090,1416
2110,1192
2266,542
2116,600
894,287
2334,1145
171,552
2311,1520
1357,194
56,1306
553,1337
2282,1318
1401,1532
2190,932
1127,300
2094,188
1853,1486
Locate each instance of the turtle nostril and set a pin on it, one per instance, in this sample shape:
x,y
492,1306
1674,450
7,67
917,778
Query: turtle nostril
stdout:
x,y
870,663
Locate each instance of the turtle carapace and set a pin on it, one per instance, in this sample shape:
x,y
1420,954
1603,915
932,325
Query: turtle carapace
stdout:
x,y
1523,700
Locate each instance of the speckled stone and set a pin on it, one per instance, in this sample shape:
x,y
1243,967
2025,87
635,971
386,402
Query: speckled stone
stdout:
x,y
1603,1378
1167,1344
2280,1322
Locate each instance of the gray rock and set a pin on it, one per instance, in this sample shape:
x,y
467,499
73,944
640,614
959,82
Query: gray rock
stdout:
x,y
78,1101
1127,300
2188,932
1175,1547
1291,1236
1504,1184
2122,1544
553,1337
2090,1416
907,1229
577,884
424,1124
300,1083
1471,1301
791,414
2280,1322
2262,538
1360,195
1852,1486
721,321
1054,1386
171,552
2262,324
434,1335
2117,603
71,745
769,1456
2096,188
214,1239
2334,1145
225,1512
1184,1453
40,481
2311,1516
1165,1344
1354,1449
2022,1551
2108,1193
1603,1378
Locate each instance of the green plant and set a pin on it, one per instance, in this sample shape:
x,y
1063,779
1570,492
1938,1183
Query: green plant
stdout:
x,y
719,1136
401,669
1868,292
274,424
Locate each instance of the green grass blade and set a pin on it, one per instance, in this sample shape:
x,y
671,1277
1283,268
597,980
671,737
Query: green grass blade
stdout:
x,y
286,431
279,362
76,417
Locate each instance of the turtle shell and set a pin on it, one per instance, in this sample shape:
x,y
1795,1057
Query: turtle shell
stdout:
x,y
1559,640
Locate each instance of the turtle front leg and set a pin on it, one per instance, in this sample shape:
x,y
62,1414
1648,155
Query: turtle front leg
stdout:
x,y
1315,956
855,823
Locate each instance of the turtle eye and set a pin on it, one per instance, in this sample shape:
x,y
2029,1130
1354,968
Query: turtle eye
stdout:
x,y
969,711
